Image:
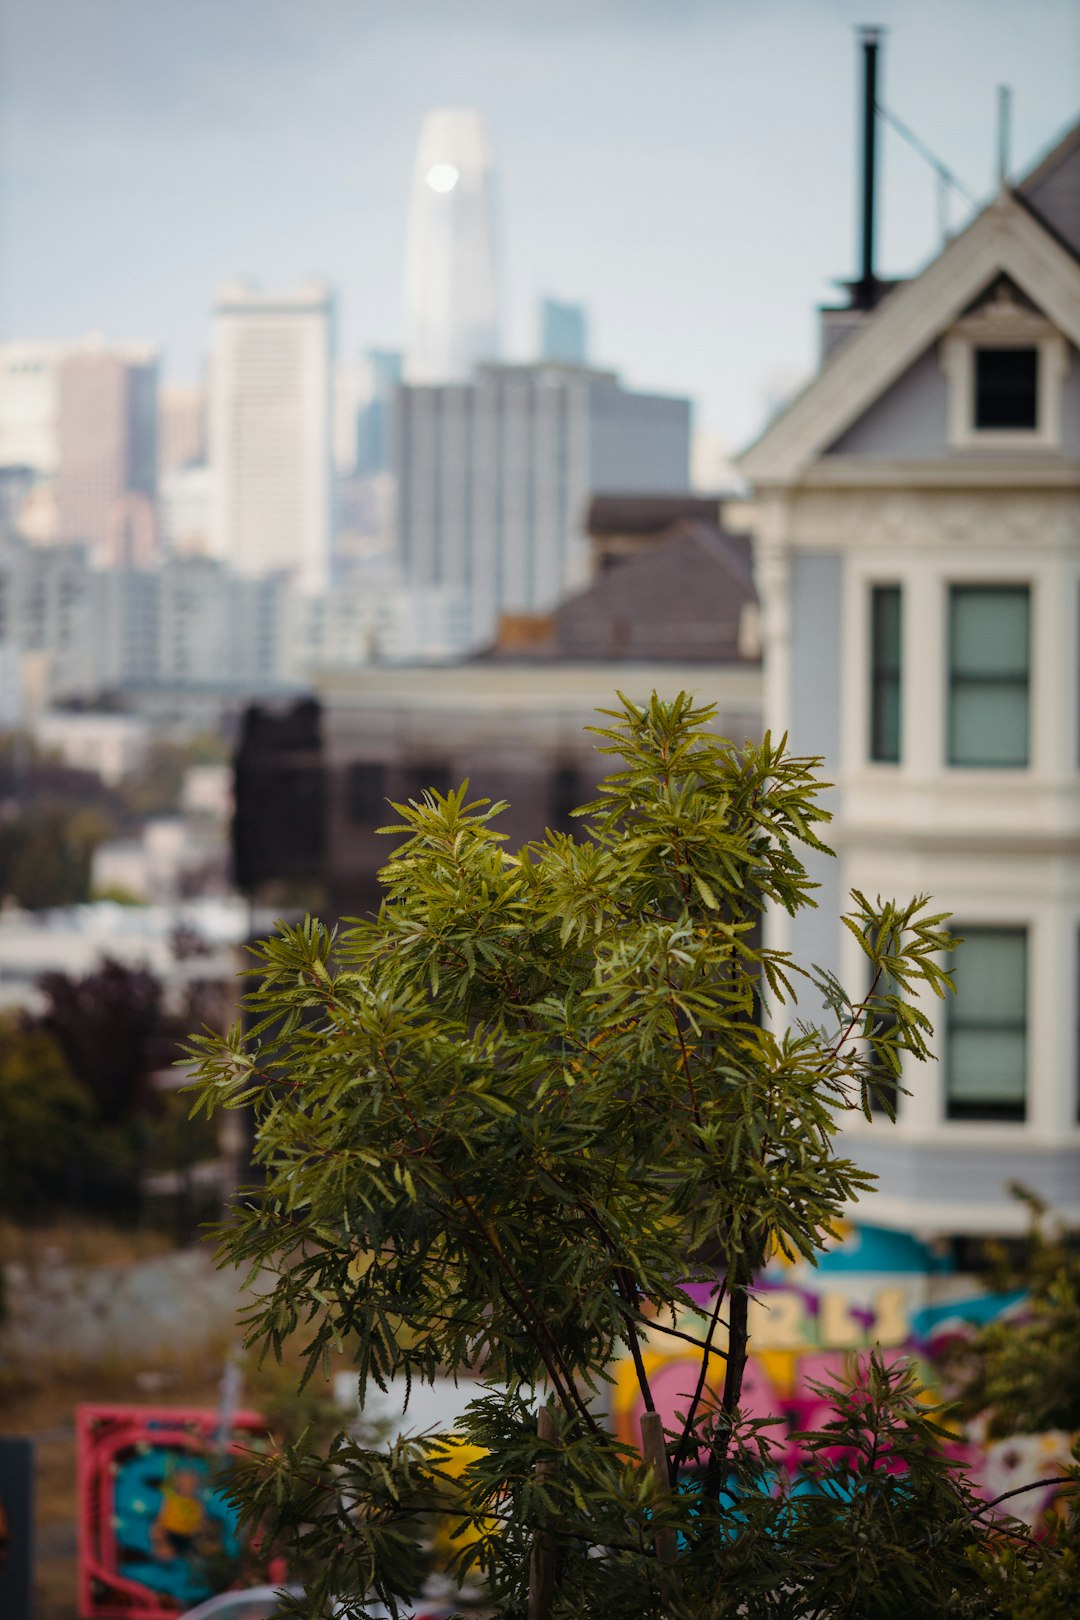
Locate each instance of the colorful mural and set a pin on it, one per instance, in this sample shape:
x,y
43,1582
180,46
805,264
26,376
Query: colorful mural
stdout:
x,y
156,1535
872,1287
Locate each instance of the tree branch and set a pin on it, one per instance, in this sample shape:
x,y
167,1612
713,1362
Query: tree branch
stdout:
x,y
688,1426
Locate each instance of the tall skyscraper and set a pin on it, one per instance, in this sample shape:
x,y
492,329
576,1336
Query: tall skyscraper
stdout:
x,y
451,303
564,332
270,431
494,475
106,485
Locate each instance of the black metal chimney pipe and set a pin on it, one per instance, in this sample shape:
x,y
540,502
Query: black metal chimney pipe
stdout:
x,y
866,286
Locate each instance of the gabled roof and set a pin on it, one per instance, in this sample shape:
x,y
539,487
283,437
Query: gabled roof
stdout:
x,y
1052,190
1007,236
681,600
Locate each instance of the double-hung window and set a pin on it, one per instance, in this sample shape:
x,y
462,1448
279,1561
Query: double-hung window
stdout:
x,y
986,1028
885,673
989,661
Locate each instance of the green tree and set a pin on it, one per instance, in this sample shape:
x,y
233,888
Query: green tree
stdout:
x,y
508,1122
1022,1374
45,1122
1023,1371
105,1022
46,853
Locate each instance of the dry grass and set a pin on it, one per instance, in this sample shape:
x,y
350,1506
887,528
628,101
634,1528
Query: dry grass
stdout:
x,y
78,1243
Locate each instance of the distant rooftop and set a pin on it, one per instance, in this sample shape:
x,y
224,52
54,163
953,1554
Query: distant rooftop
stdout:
x,y
647,514
689,598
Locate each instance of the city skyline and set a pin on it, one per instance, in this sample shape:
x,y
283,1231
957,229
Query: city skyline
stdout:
x,y
687,173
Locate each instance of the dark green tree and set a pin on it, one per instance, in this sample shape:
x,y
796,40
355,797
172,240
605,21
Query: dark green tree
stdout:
x,y
505,1125
105,1023
45,855
45,1123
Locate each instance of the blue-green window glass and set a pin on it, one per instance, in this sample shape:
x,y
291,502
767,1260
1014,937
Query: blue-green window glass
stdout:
x,y
986,1031
885,673
989,658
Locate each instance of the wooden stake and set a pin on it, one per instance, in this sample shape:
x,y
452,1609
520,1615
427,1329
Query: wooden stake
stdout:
x,y
654,1451
542,1559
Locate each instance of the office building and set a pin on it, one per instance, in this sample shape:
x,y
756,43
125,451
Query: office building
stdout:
x,y
451,297
29,406
564,332
379,380
270,431
917,521
186,504
106,480
73,632
494,477
181,427
364,396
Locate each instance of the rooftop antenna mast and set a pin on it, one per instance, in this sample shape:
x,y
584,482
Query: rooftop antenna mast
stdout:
x,y
865,289
1004,123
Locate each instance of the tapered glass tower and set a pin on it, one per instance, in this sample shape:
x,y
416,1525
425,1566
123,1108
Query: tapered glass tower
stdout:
x,y
451,308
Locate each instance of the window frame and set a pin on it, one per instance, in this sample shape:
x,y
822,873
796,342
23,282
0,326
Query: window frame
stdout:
x,y
952,679
884,675
1007,326
970,1113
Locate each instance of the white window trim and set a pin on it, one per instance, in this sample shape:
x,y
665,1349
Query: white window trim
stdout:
x,y
1004,325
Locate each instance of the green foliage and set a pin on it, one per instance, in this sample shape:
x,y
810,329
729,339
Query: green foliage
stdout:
x,y
1023,1371
45,856
504,1125
105,1022
45,1121
1021,1374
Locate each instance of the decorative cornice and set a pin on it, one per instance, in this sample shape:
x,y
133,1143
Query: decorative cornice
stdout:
x,y
972,470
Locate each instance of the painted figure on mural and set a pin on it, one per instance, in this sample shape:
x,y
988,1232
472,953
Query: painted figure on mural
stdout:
x,y
182,1527
158,1532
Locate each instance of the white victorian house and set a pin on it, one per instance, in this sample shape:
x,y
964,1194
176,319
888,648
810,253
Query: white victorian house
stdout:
x,y
916,514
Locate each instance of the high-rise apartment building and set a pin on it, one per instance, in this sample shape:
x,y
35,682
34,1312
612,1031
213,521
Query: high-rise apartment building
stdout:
x,y
564,332
270,431
494,476
106,430
451,302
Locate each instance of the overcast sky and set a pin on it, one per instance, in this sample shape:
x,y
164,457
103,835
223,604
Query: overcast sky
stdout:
x,y
686,168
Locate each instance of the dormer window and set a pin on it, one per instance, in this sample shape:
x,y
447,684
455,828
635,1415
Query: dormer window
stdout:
x,y
1007,389
1004,363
